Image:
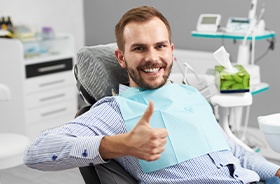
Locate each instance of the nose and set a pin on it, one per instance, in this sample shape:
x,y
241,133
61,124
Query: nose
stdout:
x,y
152,55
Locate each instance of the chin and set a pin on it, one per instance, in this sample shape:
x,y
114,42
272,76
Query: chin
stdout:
x,y
150,83
156,85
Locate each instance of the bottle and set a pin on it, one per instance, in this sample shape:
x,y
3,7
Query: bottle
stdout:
x,y
9,25
0,24
3,24
47,33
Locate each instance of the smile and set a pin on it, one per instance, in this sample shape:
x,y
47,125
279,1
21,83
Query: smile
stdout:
x,y
151,70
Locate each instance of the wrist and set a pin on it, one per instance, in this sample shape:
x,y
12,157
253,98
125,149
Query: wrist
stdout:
x,y
112,146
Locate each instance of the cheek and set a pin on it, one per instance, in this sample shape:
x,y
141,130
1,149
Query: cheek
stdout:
x,y
132,61
169,58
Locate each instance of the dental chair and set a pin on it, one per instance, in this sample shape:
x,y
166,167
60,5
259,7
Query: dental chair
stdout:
x,y
101,78
98,74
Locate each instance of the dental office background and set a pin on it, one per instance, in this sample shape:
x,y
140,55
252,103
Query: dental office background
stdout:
x,y
92,22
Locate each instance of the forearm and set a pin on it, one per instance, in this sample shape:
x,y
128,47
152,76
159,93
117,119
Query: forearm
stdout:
x,y
253,161
256,162
76,144
61,151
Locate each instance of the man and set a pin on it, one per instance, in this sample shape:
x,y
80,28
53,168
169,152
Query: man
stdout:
x,y
111,129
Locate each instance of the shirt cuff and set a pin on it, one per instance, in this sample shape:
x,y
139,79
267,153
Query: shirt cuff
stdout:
x,y
86,150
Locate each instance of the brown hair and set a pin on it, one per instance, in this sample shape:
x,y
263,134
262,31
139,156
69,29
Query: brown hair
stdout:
x,y
139,14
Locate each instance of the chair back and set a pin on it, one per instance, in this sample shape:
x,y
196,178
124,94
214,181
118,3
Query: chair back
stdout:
x,y
98,72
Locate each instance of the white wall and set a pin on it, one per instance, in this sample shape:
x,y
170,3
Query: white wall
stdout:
x,y
64,16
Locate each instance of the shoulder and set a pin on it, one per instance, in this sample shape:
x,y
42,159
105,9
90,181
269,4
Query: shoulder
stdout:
x,y
104,117
110,100
106,105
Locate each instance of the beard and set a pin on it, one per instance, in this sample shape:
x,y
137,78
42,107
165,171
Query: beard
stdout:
x,y
142,83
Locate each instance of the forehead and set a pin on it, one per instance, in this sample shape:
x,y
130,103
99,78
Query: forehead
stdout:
x,y
149,31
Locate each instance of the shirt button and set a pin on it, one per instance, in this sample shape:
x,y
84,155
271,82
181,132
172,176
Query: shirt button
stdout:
x,y
236,175
54,157
85,153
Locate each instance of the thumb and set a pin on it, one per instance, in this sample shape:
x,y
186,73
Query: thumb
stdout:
x,y
148,112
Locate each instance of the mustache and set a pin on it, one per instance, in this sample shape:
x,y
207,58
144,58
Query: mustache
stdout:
x,y
151,64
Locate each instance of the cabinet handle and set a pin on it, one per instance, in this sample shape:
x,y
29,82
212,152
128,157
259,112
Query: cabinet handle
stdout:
x,y
51,68
51,83
53,112
52,97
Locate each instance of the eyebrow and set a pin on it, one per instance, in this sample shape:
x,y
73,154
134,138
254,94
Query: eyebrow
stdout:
x,y
163,42
142,45
137,45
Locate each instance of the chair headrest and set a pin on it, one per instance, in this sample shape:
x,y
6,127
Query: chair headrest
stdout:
x,y
98,72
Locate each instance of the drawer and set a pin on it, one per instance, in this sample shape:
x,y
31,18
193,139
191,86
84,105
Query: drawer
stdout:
x,y
55,81
51,111
51,96
50,67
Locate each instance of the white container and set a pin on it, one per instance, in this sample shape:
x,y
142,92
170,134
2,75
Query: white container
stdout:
x,y
270,126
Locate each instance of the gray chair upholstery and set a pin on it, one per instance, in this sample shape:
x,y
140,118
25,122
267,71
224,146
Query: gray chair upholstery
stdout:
x,y
98,73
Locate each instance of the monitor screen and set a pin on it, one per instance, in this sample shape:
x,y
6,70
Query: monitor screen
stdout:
x,y
209,20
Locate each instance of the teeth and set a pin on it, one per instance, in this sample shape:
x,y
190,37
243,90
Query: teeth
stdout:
x,y
151,70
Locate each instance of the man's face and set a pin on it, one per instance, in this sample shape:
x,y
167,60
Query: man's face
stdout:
x,y
148,53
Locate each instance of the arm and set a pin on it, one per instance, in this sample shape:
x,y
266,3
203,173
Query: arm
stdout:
x,y
82,141
75,144
254,161
60,149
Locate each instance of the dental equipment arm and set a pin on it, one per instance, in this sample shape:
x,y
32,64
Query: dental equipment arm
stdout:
x,y
252,12
228,102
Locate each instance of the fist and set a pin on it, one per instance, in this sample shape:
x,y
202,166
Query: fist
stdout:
x,y
145,142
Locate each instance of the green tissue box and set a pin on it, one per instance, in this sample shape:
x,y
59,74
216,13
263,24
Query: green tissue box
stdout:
x,y
232,82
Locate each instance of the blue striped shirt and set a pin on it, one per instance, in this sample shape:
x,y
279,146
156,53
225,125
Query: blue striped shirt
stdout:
x,y
76,144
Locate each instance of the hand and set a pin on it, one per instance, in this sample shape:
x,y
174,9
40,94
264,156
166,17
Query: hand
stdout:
x,y
145,142
278,173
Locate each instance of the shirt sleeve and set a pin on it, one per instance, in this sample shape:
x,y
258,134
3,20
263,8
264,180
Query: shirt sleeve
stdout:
x,y
253,161
76,144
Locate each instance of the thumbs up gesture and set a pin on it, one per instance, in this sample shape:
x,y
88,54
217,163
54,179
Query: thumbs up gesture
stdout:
x,y
145,142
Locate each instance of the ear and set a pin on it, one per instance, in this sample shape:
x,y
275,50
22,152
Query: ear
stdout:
x,y
120,57
172,47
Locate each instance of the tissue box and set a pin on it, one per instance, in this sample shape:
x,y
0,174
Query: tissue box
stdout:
x,y
232,82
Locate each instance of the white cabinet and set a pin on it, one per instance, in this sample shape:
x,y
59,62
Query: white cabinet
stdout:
x,y
39,75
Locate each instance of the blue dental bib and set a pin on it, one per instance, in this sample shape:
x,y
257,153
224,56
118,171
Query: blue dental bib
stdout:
x,y
180,109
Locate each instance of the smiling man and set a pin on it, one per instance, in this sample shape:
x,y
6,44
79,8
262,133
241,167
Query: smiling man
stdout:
x,y
147,53
158,132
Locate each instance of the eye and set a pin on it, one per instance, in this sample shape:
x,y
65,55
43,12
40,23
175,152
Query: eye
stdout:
x,y
139,49
161,46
